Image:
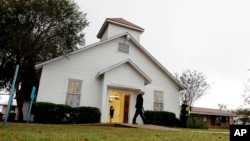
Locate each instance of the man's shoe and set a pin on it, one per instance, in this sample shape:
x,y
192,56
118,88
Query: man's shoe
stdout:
x,y
135,123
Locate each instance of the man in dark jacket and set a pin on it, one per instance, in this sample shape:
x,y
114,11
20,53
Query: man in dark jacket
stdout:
x,y
184,113
139,108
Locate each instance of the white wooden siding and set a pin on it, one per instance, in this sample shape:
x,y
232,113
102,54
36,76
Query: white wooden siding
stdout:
x,y
86,64
123,76
113,30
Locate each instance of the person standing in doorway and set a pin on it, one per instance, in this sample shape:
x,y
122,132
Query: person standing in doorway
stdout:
x,y
184,113
139,108
111,113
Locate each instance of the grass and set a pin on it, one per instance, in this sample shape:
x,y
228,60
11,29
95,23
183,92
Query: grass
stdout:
x,y
81,132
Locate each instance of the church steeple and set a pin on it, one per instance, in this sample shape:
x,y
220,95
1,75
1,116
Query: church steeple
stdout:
x,y
115,26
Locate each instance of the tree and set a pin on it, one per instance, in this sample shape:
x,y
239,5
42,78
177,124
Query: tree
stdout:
x,y
195,83
246,94
33,31
222,107
243,114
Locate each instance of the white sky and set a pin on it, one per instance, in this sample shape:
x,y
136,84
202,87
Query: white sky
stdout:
x,y
211,36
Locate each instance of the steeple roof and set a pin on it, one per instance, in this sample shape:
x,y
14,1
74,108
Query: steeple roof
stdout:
x,y
120,22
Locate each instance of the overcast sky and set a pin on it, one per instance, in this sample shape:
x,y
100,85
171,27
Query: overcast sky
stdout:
x,y
210,36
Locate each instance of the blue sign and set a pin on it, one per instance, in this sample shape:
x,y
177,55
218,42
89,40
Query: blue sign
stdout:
x,y
32,96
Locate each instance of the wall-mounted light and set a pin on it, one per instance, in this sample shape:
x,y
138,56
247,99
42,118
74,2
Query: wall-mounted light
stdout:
x,y
116,97
127,38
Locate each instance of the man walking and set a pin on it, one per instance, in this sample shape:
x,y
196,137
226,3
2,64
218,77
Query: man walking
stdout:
x,y
139,108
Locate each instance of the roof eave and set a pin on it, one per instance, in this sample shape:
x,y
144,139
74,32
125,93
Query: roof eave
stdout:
x,y
147,79
180,86
208,113
40,65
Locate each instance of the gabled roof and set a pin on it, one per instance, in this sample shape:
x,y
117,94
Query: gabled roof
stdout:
x,y
209,111
146,77
120,22
126,34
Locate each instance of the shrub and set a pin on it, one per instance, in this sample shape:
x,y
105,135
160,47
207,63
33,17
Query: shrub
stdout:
x,y
45,112
163,118
196,123
86,115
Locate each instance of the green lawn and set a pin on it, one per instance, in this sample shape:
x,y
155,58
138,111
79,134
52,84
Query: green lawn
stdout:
x,y
81,132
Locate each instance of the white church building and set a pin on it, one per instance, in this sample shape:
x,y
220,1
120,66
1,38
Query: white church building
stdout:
x,y
110,73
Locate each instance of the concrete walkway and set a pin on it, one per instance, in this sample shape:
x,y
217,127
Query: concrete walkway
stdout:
x,y
145,126
153,127
129,125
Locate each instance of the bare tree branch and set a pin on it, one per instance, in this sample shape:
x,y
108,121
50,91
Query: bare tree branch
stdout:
x,y
196,85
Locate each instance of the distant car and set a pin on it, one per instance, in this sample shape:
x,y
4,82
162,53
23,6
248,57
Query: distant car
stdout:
x,y
238,122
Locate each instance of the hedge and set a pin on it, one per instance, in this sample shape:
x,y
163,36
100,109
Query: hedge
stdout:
x,y
46,112
162,118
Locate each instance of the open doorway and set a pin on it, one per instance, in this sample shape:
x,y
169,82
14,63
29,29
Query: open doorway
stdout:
x,y
119,101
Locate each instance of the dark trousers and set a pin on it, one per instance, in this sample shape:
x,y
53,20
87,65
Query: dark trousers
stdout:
x,y
184,121
137,112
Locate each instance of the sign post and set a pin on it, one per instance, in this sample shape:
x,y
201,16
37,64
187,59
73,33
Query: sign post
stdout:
x,y
11,97
32,96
